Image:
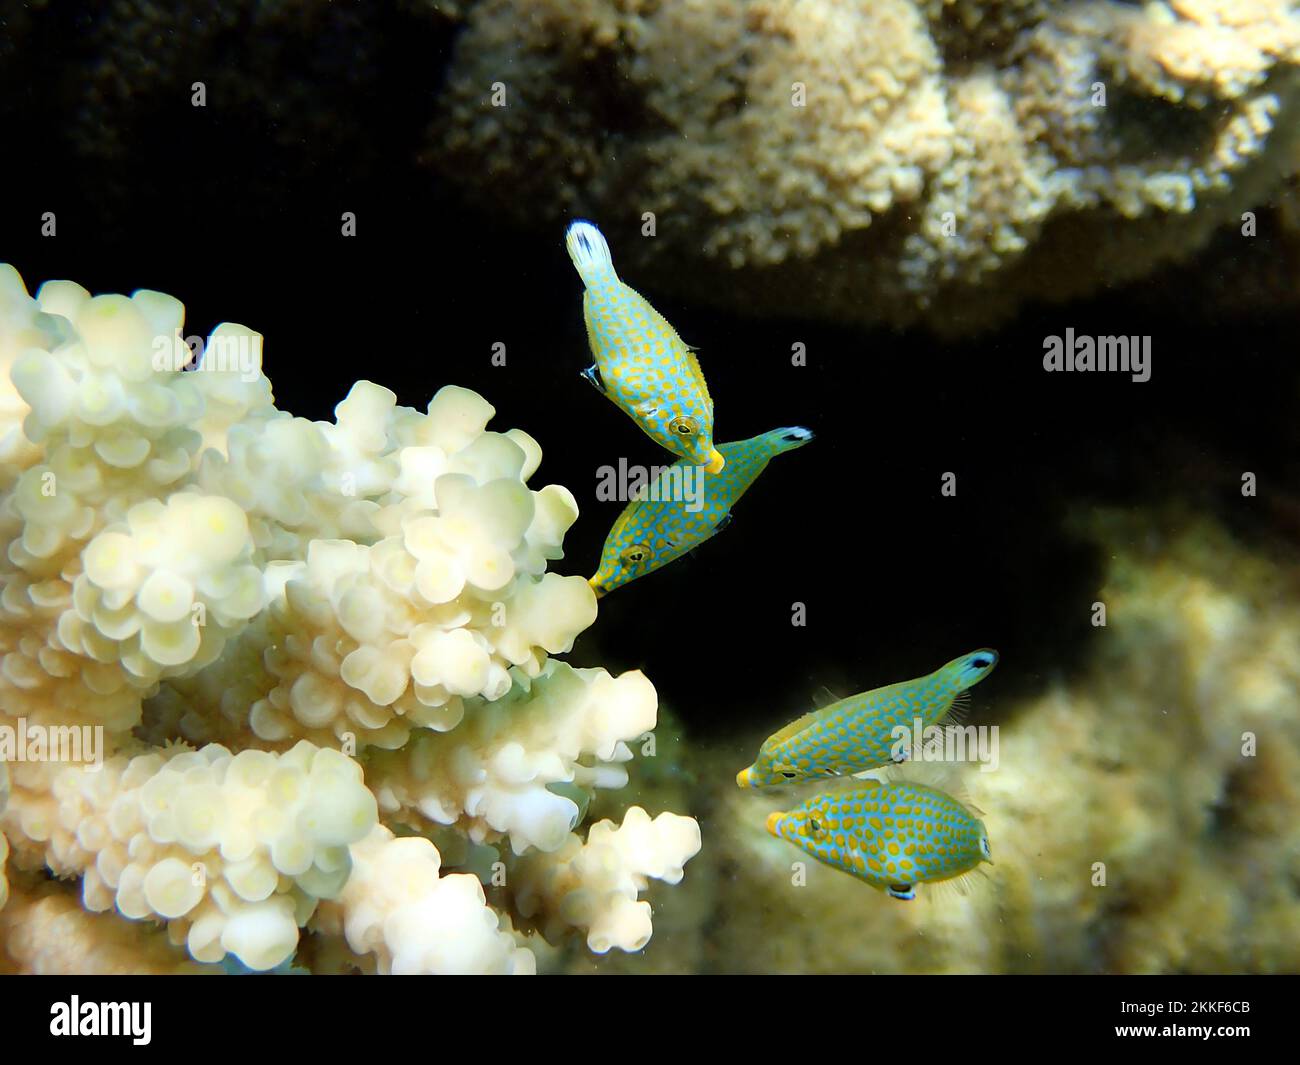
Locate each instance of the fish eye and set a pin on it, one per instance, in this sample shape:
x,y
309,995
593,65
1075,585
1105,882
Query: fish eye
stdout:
x,y
683,426
788,774
634,555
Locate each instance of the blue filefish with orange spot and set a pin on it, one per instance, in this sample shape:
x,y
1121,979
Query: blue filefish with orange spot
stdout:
x,y
662,525
642,365
856,734
892,835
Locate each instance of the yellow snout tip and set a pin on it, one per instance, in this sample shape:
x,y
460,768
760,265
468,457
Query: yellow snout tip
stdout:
x,y
715,463
774,822
742,778
595,587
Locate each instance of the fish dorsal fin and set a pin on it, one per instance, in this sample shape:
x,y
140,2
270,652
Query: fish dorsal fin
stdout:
x,y
823,697
622,521
693,365
946,777
794,728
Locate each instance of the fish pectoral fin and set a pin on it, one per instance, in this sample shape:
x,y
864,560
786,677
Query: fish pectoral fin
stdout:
x,y
957,711
960,886
823,696
592,376
723,522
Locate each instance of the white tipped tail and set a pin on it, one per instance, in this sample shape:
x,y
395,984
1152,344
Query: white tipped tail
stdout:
x,y
589,252
789,438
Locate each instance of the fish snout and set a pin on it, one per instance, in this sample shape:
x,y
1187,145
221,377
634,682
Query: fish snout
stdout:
x,y
715,463
774,820
745,778
596,587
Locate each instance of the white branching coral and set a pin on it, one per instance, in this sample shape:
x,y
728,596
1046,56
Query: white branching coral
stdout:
x,y
45,931
594,885
164,588
233,851
273,634
374,640
494,775
397,907
370,637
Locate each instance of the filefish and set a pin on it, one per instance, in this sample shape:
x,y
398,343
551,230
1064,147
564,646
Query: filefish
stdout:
x,y
856,734
642,365
892,835
684,506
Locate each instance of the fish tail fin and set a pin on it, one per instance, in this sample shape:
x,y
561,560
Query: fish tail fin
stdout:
x,y
789,438
589,252
968,670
